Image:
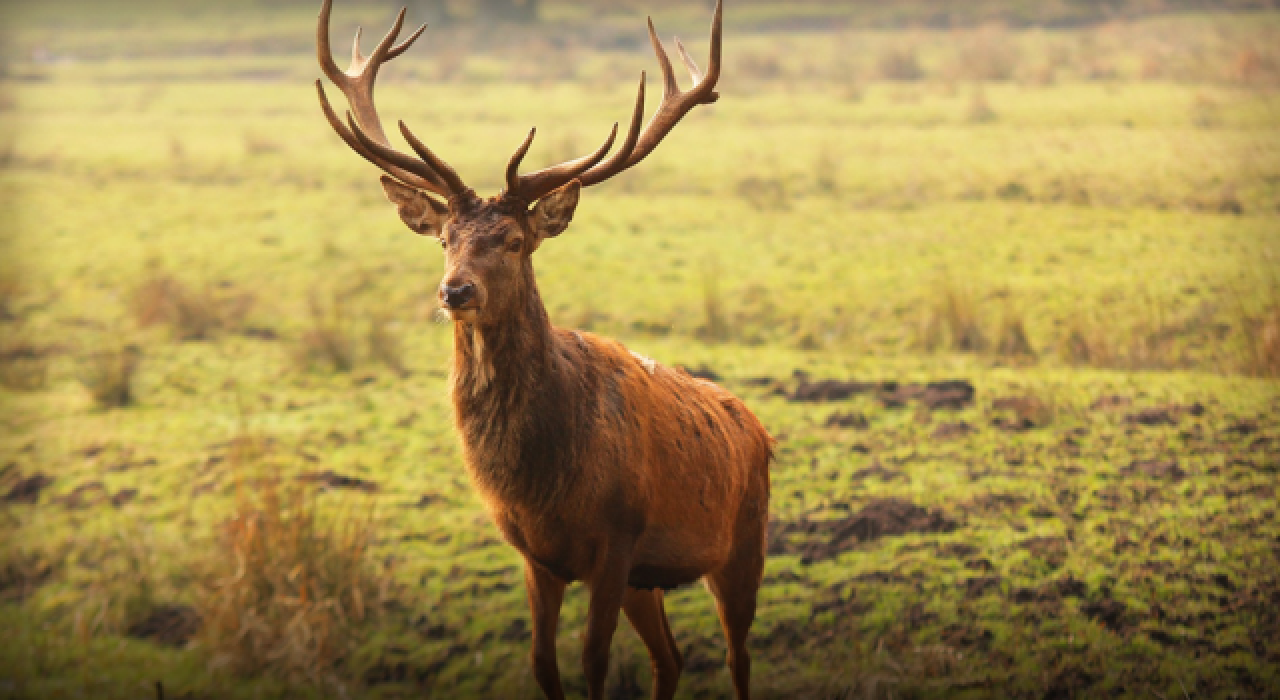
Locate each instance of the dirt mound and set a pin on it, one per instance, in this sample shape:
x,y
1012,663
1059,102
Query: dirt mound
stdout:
x,y
170,625
820,540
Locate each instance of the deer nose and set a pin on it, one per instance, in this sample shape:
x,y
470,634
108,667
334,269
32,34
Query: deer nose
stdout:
x,y
457,297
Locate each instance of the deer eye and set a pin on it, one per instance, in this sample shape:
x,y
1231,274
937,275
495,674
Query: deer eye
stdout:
x,y
515,245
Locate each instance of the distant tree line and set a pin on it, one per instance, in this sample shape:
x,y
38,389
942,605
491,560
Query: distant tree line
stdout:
x,y
444,11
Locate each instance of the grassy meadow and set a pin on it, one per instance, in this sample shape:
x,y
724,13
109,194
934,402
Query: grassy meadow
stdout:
x,y
227,465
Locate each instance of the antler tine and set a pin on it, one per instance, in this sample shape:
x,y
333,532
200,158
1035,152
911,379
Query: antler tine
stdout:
x,y
390,156
324,50
404,45
513,165
689,63
671,87
425,179
675,104
450,176
618,161
534,186
364,132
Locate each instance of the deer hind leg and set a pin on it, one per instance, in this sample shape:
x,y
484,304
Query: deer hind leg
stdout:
x,y
546,593
644,610
734,588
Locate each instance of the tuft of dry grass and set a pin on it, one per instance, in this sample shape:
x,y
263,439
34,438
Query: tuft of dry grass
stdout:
x,y
286,592
386,344
979,110
109,375
259,145
899,63
1012,340
24,364
1262,344
716,325
192,314
952,321
329,340
988,54
764,192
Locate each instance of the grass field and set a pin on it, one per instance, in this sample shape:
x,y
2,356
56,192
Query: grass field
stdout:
x,y
227,463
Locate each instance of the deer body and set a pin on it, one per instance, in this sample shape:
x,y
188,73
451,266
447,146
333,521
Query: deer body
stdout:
x,y
596,464
572,432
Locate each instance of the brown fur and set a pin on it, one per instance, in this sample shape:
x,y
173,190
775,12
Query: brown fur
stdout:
x,y
595,463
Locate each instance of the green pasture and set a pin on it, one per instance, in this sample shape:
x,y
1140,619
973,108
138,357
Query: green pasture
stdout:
x,y
1112,514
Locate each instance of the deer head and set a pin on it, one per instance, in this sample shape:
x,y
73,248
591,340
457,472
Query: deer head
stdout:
x,y
488,243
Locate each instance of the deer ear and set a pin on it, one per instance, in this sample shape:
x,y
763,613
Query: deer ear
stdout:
x,y
423,214
553,212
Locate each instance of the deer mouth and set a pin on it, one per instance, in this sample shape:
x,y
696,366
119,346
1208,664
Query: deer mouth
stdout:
x,y
467,314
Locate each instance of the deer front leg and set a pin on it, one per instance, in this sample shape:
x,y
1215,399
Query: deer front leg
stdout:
x,y
608,588
546,593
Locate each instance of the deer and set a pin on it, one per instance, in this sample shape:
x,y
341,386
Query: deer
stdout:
x,y
598,465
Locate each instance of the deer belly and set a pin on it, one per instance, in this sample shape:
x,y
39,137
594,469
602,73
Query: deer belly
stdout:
x,y
670,557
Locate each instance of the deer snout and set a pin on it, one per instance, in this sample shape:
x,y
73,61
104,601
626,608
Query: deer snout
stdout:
x,y
457,297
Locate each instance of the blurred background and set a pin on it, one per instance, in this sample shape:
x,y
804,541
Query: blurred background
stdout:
x,y
1000,276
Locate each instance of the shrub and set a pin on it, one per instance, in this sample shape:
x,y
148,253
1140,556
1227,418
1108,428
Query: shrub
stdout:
x,y
287,593
24,365
979,110
988,54
109,374
385,344
192,314
952,321
329,339
1012,340
899,64
1262,344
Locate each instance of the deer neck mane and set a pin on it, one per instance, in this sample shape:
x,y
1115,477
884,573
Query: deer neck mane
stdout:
x,y
505,386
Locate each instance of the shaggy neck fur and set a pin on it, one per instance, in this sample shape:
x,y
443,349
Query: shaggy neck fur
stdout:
x,y
504,387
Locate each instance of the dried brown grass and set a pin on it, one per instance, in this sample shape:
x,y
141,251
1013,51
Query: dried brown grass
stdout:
x,y
24,363
109,373
899,63
192,314
329,340
386,345
287,592
952,321
1262,344
988,54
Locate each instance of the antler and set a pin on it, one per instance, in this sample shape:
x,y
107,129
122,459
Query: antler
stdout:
x,y
363,132
636,146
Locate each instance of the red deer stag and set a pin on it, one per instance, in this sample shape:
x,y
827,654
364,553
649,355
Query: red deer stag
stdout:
x,y
597,464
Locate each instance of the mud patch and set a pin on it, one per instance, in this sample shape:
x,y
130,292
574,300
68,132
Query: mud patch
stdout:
x,y
702,372
951,431
829,390
27,489
856,421
333,480
1167,469
819,540
170,625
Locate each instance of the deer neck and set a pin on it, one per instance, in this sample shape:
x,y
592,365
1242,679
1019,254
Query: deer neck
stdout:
x,y
498,365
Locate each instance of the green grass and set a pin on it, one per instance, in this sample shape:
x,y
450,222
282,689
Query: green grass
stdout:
x,y
816,208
